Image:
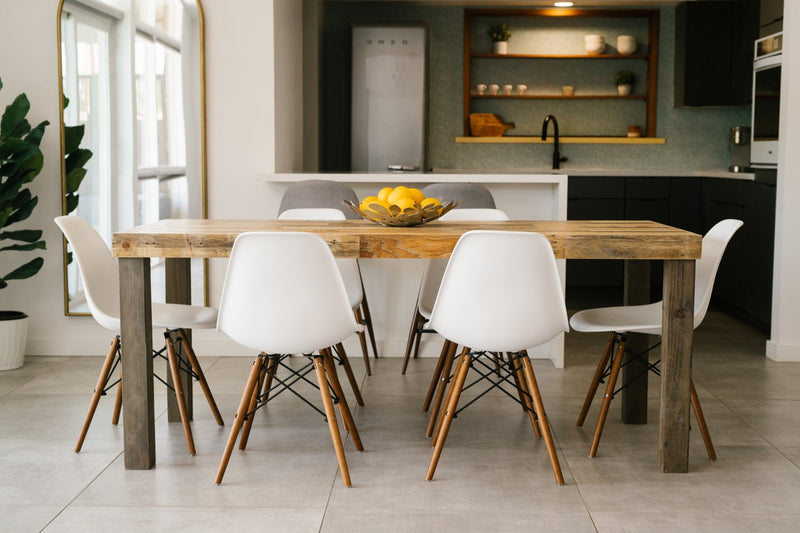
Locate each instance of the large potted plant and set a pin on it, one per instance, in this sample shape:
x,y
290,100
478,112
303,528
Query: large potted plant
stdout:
x,y
20,162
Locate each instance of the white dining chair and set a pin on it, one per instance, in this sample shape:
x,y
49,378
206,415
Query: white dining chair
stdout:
x,y
646,319
314,194
100,278
500,292
432,277
351,274
308,311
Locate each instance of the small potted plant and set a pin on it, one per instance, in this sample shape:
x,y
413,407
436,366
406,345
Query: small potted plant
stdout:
x,y
500,35
624,80
20,162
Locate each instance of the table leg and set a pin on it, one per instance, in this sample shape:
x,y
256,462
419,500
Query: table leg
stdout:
x,y
676,366
178,277
137,363
635,373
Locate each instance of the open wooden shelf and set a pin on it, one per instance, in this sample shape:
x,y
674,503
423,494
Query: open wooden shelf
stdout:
x,y
565,97
557,56
521,139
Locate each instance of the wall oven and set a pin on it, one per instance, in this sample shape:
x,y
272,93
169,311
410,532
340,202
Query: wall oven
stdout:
x,y
766,101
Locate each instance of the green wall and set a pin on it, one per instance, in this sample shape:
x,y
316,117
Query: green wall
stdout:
x,y
696,138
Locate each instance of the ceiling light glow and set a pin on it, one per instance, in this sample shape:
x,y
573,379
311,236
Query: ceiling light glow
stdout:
x,y
563,4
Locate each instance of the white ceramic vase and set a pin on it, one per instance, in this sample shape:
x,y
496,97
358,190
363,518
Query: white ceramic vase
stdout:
x,y
500,47
626,44
624,90
13,334
594,44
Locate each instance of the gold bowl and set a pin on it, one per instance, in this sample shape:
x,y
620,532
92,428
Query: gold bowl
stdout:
x,y
394,216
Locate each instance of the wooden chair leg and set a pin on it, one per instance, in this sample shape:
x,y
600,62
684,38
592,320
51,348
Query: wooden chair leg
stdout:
x,y
436,375
598,373
330,414
536,397
251,409
187,348
117,402
612,382
172,359
348,370
368,321
108,363
450,391
418,338
344,409
238,419
524,393
701,423
441,388
413,333
447,418
362,337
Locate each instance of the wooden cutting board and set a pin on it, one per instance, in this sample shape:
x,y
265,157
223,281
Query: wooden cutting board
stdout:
x,y
488,125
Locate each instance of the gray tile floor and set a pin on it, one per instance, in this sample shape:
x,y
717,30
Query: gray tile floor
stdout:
x,y
493,475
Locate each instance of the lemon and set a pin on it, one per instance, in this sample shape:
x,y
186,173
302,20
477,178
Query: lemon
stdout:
x,y
429,201
397,193
384,193
368,200
405,202
365,205
416,194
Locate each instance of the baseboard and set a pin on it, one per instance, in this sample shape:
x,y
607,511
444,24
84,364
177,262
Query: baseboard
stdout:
x,y
784,353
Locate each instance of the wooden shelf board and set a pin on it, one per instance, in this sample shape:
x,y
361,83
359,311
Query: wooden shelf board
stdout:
x,y
519,139
566,97
483,55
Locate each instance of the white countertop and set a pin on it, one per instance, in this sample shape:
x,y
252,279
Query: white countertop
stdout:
x,y
542,176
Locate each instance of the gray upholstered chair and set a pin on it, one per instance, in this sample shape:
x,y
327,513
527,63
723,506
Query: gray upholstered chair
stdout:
x,y
331,194
470,196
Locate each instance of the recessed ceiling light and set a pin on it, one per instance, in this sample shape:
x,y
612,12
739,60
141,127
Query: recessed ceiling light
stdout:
x,y
563,4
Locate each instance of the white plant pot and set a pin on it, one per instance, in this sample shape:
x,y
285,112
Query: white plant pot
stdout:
x,y
500,47
13,334
624,90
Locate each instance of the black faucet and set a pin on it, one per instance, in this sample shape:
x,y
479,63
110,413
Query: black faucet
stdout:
x,y
557,158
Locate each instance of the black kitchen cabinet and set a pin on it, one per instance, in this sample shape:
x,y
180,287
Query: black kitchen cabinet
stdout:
x,y
761,245
714,52
686,204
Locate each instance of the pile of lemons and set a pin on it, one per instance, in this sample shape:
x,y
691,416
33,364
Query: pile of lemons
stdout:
x,y
401,198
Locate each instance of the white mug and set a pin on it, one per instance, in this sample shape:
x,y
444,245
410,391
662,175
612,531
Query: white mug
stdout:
x,y
480,88
521,88
493,88
507,89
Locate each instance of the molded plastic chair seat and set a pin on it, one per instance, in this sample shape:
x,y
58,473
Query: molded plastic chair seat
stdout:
x,y
308,311
327,194
434,269
501,292
646,319
101,284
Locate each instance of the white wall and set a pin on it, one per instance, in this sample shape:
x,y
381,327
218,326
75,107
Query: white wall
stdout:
x,y
784,344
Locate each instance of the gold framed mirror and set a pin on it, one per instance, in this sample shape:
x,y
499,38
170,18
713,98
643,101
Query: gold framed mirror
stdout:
x,y
133,130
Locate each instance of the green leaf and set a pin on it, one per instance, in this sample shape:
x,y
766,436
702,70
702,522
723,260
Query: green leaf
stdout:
x,y
27,270
72,202
41,245
72,138
69,258
3,284
14,114
31,167
64,101
74,179
36,134
23,212
25,235
21,129
77,158
1,83
11,146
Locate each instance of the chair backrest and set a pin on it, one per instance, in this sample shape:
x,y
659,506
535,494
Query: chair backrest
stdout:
x,y
283,294
434,268
714,243
319,193
501,291
97,267
469,194
351,274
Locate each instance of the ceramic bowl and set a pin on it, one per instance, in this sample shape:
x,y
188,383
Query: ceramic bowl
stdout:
x,y
626,44
411,216
594,44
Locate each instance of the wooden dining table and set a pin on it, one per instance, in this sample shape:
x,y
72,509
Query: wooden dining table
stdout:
x,y
635,242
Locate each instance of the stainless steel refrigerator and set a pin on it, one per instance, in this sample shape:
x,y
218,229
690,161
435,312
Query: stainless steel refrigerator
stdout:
x,y
388,98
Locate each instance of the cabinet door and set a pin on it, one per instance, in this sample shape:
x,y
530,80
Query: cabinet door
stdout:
x,y
686,204
760,250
